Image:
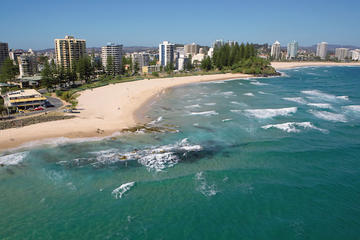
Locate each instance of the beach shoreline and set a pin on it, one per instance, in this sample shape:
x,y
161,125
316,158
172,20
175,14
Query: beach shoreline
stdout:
x,y
112,108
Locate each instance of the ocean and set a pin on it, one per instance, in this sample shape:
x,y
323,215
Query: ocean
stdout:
x,y
266,158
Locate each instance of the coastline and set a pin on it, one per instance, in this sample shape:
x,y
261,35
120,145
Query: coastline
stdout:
x,y
112,108
103,111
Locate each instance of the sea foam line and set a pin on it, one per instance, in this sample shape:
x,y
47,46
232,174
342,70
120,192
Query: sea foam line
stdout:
x,y
293,127
329,116
268,113
120,191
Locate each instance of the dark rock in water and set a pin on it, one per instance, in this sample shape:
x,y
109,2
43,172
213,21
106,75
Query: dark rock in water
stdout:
x,y
9,171
149,129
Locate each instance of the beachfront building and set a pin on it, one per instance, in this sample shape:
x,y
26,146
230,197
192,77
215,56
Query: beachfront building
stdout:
x,y
166,53
68,51
342,53
232,43
210,53
321,50
197,59
150,69
276,50
4,52
23,99
191,49
111,57
27,65
141,59
355,55
292,50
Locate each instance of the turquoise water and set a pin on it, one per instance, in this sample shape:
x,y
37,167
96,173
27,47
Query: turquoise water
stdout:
x,y
267,158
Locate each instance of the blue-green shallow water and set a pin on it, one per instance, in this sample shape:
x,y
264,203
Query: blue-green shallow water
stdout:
x,y
239,175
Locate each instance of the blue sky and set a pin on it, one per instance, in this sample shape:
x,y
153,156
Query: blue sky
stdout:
x,y
36,23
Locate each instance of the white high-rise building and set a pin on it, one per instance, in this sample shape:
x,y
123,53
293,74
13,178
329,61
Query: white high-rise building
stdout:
x,y
276,50
321,50
292,50
210,53
355,54
341,53
166,53
114,53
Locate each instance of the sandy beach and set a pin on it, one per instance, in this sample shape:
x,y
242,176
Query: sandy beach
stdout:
x,y
288,65
113,108
110,108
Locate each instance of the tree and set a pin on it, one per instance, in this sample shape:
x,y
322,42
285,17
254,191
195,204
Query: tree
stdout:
x,y
206,64
110,67
47,76
136,67
188,65
8,71
84,69
169,68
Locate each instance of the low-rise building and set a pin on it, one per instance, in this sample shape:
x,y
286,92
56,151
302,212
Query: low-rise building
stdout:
x,y
150,69
23,99
141,59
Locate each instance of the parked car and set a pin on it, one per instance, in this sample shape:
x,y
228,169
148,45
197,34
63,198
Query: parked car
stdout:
x,y
39,109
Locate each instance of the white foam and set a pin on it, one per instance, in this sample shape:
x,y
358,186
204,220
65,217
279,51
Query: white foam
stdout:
x,y
155,158
320,105
261,92
293,127
226,120
203,187
120,191
210,104
249,94
257,83
159,119
329,116
193,106
229,93
206,113
269,113
238,103
355,108
296,99
316,94
13,159
346,98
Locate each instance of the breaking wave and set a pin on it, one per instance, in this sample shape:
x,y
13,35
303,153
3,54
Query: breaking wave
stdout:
x,y
296,99
120,191
249,94
154,158
329,116
293,127
206,113
12,159
257,83
354,108
316,94
269,113
320,105
210,104
193,106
